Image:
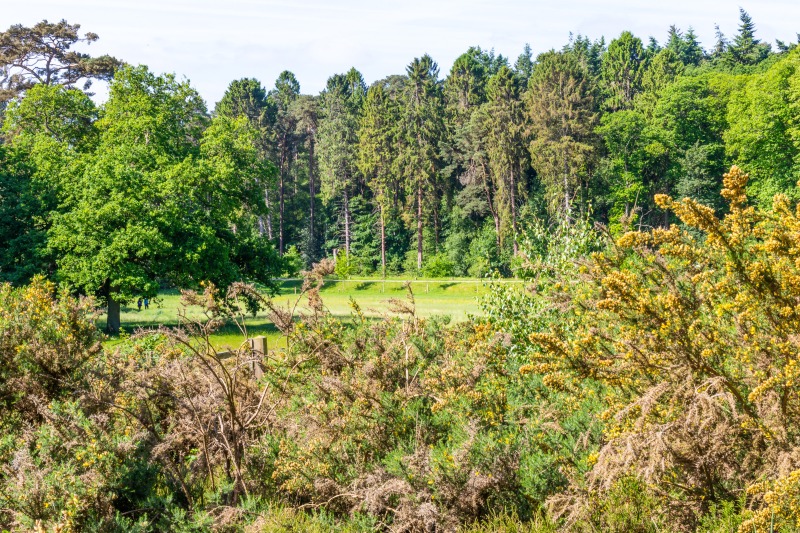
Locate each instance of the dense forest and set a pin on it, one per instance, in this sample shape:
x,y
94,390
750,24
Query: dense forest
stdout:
x,y
644,380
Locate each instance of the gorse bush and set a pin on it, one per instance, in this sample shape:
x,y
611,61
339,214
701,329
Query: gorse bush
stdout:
x,y
692,332
642,384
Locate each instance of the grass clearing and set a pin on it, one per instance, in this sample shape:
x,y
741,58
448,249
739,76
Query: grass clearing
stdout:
x,y
453,298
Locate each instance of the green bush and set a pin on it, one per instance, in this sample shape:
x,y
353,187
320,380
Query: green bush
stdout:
x,y
438,266
292,262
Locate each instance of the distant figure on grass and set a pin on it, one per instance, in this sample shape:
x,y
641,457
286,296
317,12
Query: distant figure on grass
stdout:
x,y
139,304
147,303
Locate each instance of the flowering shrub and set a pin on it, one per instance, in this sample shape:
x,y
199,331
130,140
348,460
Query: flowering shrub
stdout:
x,y
693,332
646,384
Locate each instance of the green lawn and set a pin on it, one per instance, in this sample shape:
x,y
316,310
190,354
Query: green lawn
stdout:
x,y
439,297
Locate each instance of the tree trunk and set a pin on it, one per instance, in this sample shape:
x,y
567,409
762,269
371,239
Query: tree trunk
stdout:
x,y
514,212
495,215
346,223
419,226
284,171
281,194
269,214
383,240
436,227
113,322
567,210
312,241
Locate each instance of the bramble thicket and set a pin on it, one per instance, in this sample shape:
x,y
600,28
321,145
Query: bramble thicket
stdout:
x,y
644,377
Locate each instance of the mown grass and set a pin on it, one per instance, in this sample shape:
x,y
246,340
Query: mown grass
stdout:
x,y
451,298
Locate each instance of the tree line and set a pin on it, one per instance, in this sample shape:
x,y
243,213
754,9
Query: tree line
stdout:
x,y
414,174
420,173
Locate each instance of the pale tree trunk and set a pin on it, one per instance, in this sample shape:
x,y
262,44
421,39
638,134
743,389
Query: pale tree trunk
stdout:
x,y
284,172
269,214
346,223
311,194
281,194
383,239
419,226
514,211
495,216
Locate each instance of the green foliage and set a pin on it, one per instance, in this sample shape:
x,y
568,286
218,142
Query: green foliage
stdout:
x,y
65,115
745,48
48,132
346,266
685,46
422,129
292,262
625,136
438,266
624,64
164,196
763,134
42,55
642,384
562,116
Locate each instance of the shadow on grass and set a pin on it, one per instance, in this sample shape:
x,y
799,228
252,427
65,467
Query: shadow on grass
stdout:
x,y
230,334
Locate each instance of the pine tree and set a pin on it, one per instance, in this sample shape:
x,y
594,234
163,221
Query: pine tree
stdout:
x,y
423,127
524,65
248,98
306,109
685,47
720,44
341,103
746,49
623,66
506,146
376,151
562,115
284,125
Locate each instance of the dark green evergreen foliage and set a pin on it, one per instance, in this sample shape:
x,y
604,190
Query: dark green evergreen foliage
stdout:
x,y
422,132
23,229
699,168
685,46
624,64
247,98
562,113
523,66
589,53
365,246
337,145
720,45
745,48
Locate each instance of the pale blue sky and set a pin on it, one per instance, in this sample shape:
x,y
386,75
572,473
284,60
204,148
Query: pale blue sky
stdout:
x,y
214,42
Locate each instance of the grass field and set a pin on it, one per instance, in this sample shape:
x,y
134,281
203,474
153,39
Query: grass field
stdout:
x,y
454,298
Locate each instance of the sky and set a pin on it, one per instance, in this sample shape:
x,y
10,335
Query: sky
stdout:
x,y
213,43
